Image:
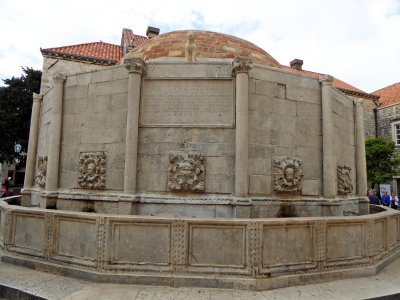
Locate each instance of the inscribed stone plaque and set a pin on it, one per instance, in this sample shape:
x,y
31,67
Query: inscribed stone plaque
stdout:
x,y
187,103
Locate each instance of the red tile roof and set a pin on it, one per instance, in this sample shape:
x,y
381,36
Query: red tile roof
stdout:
x,y
336,82
389,95
215,45
130,39
103,52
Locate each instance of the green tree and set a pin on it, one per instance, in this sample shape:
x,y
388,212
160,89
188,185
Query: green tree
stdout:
x,y
383,162
15,112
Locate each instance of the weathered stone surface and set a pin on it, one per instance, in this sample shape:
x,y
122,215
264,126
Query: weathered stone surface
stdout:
x,y
187,247
131,243
297,236
283,118
345,241
206,243
260,184
311,188
190,103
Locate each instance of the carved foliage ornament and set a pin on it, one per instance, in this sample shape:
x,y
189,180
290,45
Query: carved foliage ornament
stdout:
x,y
40,179
186,171
135,65
288,174
92,170
344,180
241,64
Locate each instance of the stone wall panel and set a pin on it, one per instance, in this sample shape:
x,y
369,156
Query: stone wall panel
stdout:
x,y
205,243
296,240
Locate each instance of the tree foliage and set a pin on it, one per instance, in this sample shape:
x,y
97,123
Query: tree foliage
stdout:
x,y
15,112
383,161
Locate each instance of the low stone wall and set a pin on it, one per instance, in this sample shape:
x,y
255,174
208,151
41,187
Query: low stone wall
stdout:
x,y
228,253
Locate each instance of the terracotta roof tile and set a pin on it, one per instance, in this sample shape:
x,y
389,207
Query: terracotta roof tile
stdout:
x,y
131,39
389,95
336,82
209,44
96,50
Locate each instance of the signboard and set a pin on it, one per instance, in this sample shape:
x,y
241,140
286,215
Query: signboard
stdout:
x,y
384,188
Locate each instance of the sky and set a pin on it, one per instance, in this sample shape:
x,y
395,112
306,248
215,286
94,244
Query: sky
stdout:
x,y
357,41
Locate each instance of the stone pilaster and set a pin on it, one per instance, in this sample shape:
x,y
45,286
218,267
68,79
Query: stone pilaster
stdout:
x,y
328,138
241,68
136,68
32,149
361,164
54,139
33,141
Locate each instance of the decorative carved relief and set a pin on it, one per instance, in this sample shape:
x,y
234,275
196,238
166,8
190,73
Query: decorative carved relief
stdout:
x,y
92,170
190,47
101,242
179,243
255,231
135,65
241,64
288,174
186,171
40,179
344,180
49,220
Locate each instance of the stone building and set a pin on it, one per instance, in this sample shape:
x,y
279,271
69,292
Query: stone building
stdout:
x,y
196,115
97,55
388,119
170,166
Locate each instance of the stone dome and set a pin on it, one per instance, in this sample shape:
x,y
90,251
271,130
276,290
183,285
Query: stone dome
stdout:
x,y
209,45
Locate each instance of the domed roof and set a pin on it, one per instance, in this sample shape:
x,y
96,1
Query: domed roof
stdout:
x,y
209,45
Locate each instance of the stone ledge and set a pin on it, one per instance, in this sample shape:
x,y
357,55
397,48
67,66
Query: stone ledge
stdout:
x,y
205,281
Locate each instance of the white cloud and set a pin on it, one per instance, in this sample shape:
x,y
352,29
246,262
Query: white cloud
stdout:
x,y
355,40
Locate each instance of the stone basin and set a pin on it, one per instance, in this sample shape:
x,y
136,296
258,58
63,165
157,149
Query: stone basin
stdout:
x,y
245,253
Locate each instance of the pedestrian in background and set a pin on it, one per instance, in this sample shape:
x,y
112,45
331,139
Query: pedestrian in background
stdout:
x,y
394,201
373,199
385,199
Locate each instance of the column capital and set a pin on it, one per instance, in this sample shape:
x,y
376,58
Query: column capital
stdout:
x,y
59,77
135,65
37,97
325,80
358,103
241,65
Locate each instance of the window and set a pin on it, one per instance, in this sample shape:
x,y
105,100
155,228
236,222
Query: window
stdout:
x,y
396,133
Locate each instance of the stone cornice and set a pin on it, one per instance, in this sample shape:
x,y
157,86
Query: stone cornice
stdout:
x,y
375,98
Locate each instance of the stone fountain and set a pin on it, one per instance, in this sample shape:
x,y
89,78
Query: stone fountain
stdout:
x,y
216,171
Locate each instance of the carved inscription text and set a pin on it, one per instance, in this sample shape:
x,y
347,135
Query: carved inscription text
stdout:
x,y
191,103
